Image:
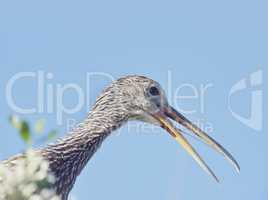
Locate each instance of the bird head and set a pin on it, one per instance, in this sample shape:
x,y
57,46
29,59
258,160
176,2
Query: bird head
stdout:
x,y
140,98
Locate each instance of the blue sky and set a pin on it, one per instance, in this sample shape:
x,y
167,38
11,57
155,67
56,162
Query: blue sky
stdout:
x,y
197,42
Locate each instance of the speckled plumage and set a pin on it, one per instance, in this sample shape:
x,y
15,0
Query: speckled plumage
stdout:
x,y
114,106
128,98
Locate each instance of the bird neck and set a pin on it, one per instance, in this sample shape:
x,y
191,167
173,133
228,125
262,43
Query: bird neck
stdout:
x,y
69,156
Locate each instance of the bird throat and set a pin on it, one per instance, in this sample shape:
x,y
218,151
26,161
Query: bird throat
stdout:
x,y
69,156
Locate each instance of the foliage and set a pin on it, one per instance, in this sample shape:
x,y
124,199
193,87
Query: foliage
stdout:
x,y
26,133
27,179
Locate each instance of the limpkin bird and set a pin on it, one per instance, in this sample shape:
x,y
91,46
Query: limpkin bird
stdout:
x,y
128,98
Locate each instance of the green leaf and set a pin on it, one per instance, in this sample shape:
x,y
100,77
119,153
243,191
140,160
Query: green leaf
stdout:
x,y
25,132
22,127
39,126
51,135
43,184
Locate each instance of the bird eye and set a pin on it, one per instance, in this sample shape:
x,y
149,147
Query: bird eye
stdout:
x,y
154,91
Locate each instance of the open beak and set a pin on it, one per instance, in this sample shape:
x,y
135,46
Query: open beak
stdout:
x,y
169,112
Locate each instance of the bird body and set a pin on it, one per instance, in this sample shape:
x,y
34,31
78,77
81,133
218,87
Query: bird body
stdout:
x,y
129,98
